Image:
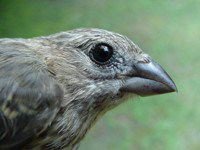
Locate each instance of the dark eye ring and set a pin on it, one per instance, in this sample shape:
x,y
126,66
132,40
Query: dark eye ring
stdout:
x,y
101,53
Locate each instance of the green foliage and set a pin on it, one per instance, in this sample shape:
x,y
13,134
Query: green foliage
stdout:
x,y
167,30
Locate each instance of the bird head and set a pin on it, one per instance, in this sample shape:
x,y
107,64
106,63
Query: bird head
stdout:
x,y
101,68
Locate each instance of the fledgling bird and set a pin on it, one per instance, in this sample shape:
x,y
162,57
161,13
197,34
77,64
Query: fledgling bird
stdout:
x,y
54,88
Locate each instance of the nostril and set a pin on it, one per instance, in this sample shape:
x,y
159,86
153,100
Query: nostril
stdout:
x,y
144,60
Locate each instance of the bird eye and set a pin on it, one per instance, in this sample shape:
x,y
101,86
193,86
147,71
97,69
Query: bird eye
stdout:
x,y
101,53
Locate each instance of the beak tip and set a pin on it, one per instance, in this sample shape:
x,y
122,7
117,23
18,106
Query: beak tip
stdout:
x,y
174,88
171,85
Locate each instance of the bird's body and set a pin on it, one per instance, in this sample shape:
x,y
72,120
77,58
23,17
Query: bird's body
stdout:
x,y
52,89
23,56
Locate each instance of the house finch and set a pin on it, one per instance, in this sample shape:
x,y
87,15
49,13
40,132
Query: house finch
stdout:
x,y
54,88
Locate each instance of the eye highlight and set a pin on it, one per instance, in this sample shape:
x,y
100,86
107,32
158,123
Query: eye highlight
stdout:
x,y
101,53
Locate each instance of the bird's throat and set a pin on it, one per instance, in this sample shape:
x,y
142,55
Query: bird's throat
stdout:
x,y
72,124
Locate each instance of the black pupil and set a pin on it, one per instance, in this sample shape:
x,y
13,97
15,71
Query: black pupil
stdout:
x,y
101,53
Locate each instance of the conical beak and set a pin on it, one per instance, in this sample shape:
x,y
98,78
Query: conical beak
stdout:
x,y
150,79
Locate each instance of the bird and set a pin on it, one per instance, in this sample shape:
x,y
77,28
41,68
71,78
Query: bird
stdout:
x,y
54,88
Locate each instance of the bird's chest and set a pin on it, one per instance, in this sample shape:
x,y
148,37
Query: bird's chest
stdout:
x,y
67,131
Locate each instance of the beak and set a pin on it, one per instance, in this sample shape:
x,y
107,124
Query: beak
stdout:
x,y
150,79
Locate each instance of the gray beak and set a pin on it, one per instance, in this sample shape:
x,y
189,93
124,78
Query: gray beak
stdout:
x,y
150,79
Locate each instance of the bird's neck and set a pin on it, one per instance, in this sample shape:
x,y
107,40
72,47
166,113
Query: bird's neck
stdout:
x,y
74,121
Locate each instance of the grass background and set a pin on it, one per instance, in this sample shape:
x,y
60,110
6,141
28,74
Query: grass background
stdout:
x,y
168,30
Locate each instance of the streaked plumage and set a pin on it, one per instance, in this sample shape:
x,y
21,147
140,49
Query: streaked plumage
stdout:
x,y
52,92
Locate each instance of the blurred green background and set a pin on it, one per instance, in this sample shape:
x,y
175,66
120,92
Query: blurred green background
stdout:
x,y
168,30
